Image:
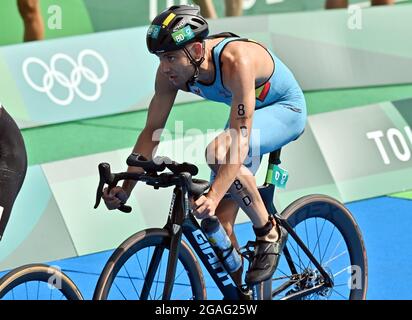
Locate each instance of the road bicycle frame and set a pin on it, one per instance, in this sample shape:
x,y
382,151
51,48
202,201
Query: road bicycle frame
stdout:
x,y
182,222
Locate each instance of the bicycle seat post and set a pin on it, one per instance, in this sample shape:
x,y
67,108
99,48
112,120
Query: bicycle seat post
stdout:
x,y
274,157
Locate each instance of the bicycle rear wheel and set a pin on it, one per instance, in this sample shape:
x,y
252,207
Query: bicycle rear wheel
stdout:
x,y
123,277
38,282
333,237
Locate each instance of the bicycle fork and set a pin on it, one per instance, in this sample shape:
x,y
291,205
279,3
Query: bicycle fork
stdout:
x,y
177,211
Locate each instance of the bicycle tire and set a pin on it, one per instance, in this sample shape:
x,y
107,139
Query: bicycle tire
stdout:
x,y
328,208
142,240
40,273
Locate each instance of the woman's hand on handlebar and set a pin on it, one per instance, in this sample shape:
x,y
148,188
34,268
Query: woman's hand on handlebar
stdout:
x,y
115,198
204,207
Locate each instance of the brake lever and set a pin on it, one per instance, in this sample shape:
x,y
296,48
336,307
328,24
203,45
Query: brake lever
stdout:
x,y
105,177
99,194
104,172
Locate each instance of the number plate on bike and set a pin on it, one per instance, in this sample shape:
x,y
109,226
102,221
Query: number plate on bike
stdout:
x,y
277,176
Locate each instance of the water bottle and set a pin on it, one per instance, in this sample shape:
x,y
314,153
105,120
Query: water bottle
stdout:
x,y
221,243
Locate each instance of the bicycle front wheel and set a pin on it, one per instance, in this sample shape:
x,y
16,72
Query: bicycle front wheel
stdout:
x,y
137,270
38,282
331,234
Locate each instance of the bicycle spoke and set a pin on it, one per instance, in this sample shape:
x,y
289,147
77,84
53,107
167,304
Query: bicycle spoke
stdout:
x,y
298,248
319,236
335,257
297,253
317,233
327,246
147,260
307,237
141,270
121,292
341,271
283,278
131,280
158,275
340,285
176,283
317,245
38,289
159,297
140,266
27,291
155,259
181,272
287,276
334,290
334,250
300,261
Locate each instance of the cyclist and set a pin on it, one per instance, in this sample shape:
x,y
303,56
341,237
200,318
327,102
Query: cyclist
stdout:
x,y
13,165
263,95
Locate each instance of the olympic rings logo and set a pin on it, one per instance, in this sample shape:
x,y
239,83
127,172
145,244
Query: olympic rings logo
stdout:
x,y
52,76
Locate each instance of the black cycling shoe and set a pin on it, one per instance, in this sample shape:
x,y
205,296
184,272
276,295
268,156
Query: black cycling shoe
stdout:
x,y
266,259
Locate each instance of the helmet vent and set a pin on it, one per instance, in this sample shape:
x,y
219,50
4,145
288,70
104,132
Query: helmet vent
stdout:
x,y
176,22
199,21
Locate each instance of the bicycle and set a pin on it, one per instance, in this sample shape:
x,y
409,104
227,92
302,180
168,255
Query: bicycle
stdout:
x,y
135,269
38,282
